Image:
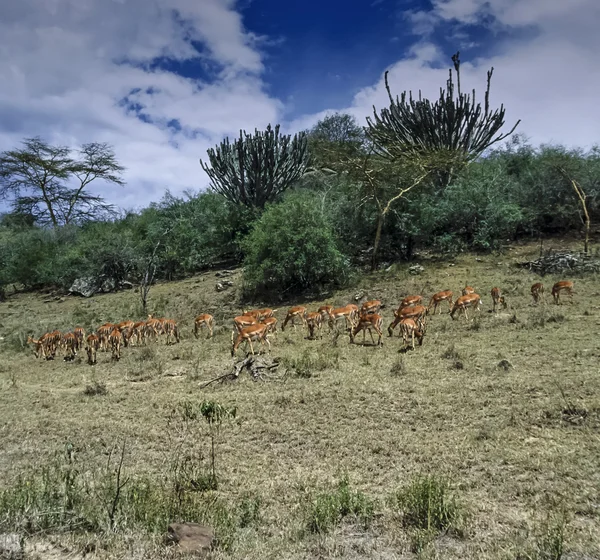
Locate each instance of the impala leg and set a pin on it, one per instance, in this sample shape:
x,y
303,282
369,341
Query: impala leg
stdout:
x,y
372,339
251,347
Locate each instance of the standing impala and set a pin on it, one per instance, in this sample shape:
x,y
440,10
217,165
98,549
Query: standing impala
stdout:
x,y
368,322
409,328
438,298
563,286
248,334
416,312
537,292
497,299
464,302
298,312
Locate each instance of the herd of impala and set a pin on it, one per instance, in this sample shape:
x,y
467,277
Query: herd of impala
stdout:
x,y
257,325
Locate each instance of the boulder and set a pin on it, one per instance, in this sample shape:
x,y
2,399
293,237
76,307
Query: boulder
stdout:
x,y
86,286
108,285
191,537
416,269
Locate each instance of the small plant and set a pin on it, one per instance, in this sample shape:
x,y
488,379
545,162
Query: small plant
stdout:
x,y
327,509
398,367
95,388
549,543
428,504
249,510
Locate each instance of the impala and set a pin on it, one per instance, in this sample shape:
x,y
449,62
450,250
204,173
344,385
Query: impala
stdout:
x,y
537,292
271,323
370,307
438,298
464,302
39,349
69,345
409,329
314,322
204,320
416,312
93,343
325,310
411,300
563,286
293,314
103,332
241,322
368,322
468,290
346,312
171,329
79,335
114,342
497,299
248,334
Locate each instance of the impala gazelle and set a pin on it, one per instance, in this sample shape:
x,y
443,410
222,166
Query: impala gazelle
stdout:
x,y
248,334
69,346
537,292
271,323
497,299
438,298
92,345
411,329
241,322
562,286
411,300
370,322
298,312
39,349
416,312
201,321
347,313
370,307
468,290
314,321
114,343
464,302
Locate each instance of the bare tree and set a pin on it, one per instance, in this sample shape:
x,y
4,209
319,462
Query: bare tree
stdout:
x,y
48,183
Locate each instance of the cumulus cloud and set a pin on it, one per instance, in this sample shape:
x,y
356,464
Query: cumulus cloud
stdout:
x,y
544,59
76,71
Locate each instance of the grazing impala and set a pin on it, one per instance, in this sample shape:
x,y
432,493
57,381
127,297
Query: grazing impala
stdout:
x,y
241,322
370,307
464,302
171,329
314,322
103,332
114,343
438,298
411,300
39,349
293,314
537,292
325,310
416,312
368,322
409,329
248,334
468,290
271,323
497,299
93,343
69,346
563,286
79,335
204,320
347,313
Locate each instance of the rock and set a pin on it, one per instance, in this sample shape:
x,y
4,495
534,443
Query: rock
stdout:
x,y
125,285
219,287
86,286
191,537
10,547
223,285
416,269
505,365
358,296
108,285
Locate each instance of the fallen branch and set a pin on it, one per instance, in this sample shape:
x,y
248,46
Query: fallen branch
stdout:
x,y
255,366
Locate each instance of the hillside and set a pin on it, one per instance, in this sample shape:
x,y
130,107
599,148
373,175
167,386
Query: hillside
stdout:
x,y
505,407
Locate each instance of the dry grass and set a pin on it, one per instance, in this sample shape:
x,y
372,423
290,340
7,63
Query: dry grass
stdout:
x,y
506,408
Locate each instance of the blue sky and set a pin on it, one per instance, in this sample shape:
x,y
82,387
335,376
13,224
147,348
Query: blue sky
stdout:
x,y
162,81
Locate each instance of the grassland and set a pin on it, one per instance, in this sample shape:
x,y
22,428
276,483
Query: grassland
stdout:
x,y
505,407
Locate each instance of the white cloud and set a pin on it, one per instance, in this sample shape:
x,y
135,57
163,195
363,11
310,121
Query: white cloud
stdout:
x,y
63,74
548,78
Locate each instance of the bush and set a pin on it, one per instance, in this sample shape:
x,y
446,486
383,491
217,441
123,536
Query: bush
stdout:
x,y
329,508
292,249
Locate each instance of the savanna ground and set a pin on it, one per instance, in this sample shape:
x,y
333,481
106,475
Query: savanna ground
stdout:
x,y
505,407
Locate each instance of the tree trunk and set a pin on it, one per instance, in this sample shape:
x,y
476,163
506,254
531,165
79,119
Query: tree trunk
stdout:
x,y
380,220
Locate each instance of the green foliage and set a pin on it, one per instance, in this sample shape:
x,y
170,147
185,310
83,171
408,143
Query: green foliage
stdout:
x,y
292,249
549,541
327,509
427,504
256,169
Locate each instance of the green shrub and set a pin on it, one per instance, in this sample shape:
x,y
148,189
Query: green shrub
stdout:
x,y
292,249
327,509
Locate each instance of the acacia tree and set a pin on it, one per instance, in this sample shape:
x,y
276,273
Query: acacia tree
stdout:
x,y
49,184
444,136
256,169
